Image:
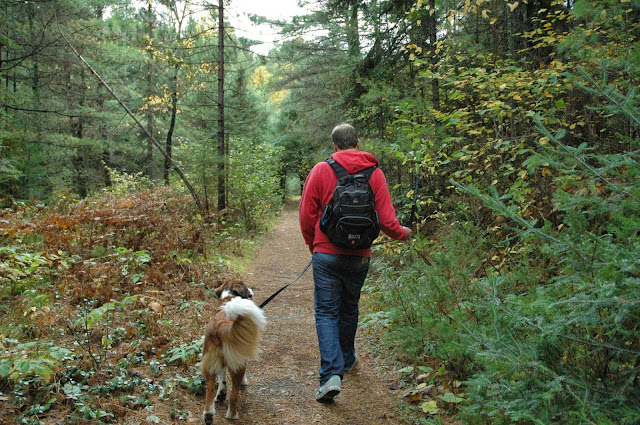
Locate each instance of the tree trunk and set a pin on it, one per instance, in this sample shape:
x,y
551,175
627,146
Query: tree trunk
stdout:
x,y
35,88
174,111
433,33
222,197
149,91
77,129
353,32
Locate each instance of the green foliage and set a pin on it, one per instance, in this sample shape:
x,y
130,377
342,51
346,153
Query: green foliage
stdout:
x,y
255,181
123,183
21,360
567,348
8,172
26,271
87,321
539,319
185,353
426,305
134,260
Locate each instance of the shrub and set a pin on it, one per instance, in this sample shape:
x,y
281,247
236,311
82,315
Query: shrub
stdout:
x,y
539,317
254,184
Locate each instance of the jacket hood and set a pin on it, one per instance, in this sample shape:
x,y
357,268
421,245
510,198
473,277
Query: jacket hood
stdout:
x,y
354,160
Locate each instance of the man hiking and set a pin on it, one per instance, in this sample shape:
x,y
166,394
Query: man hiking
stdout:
x,y
338,271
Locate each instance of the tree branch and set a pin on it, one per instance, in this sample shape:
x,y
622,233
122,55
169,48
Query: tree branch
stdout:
x,y
144,129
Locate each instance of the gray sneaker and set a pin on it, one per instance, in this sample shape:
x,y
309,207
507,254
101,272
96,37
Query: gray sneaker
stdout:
x,y
355,362
329,389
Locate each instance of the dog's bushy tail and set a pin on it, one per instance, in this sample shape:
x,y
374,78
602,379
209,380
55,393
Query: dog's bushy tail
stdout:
x,y
246,321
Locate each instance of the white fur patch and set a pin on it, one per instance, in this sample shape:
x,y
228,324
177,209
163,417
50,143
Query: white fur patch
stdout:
x,y
225,294
240,307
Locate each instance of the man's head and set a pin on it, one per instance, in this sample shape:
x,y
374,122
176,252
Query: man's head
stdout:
x,y
344,136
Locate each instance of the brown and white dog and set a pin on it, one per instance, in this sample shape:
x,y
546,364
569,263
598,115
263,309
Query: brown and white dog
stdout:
x,y
231,339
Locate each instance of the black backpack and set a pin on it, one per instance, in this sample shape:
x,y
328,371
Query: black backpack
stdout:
x,y
350,220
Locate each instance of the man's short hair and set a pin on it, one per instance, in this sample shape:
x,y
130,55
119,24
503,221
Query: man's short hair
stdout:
x,y
344,136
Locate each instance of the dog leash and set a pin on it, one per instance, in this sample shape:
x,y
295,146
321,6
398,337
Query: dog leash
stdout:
x,y
275,294
268,300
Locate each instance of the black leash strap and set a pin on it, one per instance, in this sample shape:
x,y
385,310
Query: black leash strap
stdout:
x,y
268,300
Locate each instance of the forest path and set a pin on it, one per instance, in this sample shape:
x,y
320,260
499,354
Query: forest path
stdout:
x,y
283,382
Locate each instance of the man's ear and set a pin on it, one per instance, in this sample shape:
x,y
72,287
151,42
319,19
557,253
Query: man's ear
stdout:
x,y
358,144
335,148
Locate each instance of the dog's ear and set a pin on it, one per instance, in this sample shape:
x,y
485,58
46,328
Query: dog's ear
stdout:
x,y
218,290
247,292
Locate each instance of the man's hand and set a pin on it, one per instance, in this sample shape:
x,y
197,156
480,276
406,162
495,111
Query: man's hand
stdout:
x,y
407,233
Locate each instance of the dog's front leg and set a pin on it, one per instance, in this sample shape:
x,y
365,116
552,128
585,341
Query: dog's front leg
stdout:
x,y
209,405
236,381
221,395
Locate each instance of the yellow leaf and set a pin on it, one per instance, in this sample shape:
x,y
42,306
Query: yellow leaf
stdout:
x,y
431,12
485,14
430,407
512,6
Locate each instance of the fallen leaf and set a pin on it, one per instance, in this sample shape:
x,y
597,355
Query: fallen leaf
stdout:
x,y
430,407
156,306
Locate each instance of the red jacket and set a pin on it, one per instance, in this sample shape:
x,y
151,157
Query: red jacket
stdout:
x,y
318,190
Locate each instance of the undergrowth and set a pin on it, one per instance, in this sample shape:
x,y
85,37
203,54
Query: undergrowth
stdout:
x,y
103,304
527,321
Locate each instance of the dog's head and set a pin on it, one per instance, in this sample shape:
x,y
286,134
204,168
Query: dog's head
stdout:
x,y
232,289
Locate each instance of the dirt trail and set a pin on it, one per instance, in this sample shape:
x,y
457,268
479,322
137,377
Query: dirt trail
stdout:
x,y
283,382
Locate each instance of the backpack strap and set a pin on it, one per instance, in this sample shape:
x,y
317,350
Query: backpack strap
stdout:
x,y
367,172
337,168
341,172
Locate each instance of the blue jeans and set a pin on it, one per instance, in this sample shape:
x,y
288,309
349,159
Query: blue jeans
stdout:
x,y
338,280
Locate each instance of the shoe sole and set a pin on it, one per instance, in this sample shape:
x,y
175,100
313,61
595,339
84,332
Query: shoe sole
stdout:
x,y
350,368
328,395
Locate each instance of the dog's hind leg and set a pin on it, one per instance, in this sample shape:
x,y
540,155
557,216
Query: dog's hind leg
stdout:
x,y
236,381
209,405
222,386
